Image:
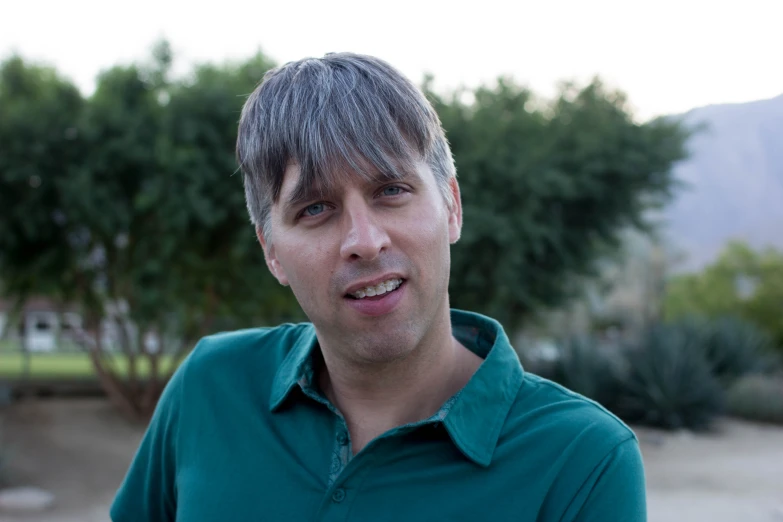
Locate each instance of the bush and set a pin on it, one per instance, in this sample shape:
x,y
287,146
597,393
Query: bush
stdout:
x,y
674,376
757,398
735,348
586,367
669,382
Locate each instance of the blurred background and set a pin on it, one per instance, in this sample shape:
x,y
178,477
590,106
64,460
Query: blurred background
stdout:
x,y
621,167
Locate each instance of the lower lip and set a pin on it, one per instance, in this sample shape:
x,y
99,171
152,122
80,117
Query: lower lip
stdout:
x,y
375,306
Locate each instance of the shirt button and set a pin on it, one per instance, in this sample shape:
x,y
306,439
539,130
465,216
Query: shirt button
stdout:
x,y
338,495
342,439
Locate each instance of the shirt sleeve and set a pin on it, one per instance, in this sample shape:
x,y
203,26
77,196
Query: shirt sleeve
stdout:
x,y
148,491
615,490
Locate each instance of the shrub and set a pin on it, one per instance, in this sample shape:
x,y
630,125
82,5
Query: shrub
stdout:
x,y
674,376
588,368
735,348
757,398
669,382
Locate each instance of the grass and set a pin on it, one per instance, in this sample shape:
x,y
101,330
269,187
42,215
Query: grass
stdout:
x,y
7,346
67,365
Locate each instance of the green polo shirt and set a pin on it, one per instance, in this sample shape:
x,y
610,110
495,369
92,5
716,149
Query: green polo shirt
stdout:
x,y
242,433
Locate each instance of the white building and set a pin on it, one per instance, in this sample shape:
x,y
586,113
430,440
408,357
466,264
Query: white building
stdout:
x,y
40,324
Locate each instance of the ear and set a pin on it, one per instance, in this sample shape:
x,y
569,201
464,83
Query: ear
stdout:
x,y
455,212
271,260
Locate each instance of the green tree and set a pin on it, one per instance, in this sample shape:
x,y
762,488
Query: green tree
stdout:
x,y
742,282
548,189
200,130
176,250
158,238
39,144
115,196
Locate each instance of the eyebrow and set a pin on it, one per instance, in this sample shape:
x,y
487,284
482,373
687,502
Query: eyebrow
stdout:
x,y
305,193
301,195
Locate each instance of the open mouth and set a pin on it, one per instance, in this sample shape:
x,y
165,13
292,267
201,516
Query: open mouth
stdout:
x,y
377,292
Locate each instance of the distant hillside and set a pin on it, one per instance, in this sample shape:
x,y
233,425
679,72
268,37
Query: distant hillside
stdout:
x,y
734,180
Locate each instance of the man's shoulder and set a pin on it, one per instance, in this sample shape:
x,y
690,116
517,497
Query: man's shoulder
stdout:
x,y
260,349
560,414
584,457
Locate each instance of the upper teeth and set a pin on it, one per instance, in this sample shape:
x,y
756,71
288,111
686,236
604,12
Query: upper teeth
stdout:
x,y
379,289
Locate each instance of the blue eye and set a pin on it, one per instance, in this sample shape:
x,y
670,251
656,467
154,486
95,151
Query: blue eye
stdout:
x,y
392,191
314,209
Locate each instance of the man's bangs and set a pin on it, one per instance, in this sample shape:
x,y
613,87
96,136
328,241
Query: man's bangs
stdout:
x,y
333,153
342,114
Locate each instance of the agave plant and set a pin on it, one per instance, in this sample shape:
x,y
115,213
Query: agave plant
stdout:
x,y
588,368
669,382
735,348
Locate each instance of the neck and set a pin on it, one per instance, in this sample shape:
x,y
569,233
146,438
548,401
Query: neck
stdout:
x,y
375,399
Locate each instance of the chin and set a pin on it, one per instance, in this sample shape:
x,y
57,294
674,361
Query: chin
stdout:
x,y
382,348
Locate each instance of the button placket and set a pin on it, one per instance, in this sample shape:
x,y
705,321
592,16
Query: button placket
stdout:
x,y
341,452
338,495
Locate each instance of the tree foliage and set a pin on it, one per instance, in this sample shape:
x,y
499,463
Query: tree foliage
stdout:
x,y
742,282
127,204
547,190
39,114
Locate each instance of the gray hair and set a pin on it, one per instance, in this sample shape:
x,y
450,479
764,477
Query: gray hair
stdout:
x,y
341,113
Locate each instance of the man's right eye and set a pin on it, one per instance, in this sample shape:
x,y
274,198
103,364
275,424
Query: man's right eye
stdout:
x,y
313,210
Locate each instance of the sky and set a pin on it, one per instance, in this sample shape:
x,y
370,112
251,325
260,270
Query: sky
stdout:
x,y
668,56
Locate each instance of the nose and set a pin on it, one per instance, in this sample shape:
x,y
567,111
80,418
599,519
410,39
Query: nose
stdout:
x,y
364,236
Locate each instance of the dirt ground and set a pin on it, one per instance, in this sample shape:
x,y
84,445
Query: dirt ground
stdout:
x,y
76,449
80,449
732,475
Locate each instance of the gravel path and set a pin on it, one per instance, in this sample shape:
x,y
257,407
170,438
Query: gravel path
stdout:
x,y
79,450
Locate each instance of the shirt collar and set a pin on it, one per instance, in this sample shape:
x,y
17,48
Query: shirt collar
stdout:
x,y
295,365
476,417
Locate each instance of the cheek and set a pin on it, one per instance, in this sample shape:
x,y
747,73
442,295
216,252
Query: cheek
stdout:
x,y
308,267
431,225
425,237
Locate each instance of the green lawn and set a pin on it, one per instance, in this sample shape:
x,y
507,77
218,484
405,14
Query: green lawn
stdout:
x,y
65,365
8,346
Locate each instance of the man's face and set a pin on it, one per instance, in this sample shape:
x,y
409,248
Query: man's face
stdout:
x,y
391,239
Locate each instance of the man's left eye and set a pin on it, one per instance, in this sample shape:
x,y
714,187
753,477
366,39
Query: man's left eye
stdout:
x,y
392,191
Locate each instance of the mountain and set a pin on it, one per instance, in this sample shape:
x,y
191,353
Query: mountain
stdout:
x,y
733,178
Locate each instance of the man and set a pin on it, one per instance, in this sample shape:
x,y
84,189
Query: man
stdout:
x,y
388,405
